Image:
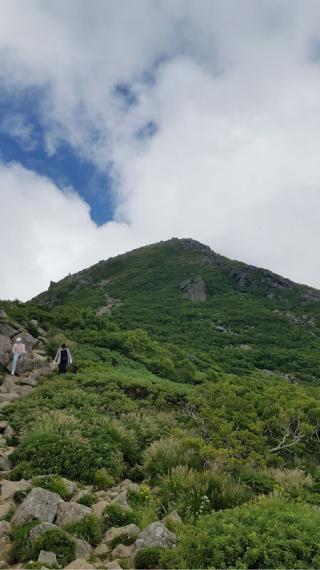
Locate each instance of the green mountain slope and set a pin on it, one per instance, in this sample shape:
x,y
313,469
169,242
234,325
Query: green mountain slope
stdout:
x,y
236,317
195,376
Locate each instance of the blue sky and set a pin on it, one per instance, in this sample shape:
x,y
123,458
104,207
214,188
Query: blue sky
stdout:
x,y
25,144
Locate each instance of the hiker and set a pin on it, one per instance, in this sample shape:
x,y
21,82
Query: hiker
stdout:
x,y
18,351
63,358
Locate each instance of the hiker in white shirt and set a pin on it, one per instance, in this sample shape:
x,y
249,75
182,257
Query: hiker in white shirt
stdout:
x,y
18,350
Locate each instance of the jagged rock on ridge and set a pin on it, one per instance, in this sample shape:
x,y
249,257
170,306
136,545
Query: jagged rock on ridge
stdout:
x,y
39,504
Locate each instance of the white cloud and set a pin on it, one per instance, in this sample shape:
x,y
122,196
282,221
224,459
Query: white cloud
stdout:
x,y
234,162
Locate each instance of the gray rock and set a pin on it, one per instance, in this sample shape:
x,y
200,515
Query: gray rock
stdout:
x,y
39,504
41,529
4,509
5,350
156,534
83,549
122,551
10,397
79,564
49,558
8,385
9,488
194,289
3,315
28,339
71,512
101,550
7,330
3,425
9,431
114,565
115,532
5,463
99,508
173,517
121,499
5,528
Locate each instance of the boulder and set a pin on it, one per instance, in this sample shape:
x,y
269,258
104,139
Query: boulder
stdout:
x,y
5,528
99,508
80,564
71,512
7,330
83,548
5,463
101,550
173,517
41,529
28,339
5,350
48,558
114,532
3,425
122,551
3,315
9,488
8,385
10,397
39,504
156,534
114,565
121,499
9,431
70,486
4,509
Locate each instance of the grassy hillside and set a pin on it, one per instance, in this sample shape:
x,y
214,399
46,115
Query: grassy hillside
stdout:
x,y
171,390
250,319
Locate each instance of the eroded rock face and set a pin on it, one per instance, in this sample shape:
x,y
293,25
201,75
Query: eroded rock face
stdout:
x,y
194,289
39,504
156,534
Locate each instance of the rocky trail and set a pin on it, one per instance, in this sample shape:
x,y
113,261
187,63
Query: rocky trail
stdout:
x,y
24,501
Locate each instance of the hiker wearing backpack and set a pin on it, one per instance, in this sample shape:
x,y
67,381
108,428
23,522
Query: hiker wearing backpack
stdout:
x,y
18,351
63,358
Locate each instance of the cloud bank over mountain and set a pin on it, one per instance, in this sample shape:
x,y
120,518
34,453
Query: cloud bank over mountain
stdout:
x,y
205,114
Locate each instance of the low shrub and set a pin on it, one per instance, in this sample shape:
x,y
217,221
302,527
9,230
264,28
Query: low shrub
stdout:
x,y
57,541
193,493
89,529
102,480
118,516
21,547
166,453
52,483
269,534
259,481
87,500
148,558
292,481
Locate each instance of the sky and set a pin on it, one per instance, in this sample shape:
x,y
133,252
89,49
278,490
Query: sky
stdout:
x,y
125,123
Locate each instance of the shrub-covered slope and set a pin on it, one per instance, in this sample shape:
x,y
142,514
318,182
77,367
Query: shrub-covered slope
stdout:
x,y
169,388
226,313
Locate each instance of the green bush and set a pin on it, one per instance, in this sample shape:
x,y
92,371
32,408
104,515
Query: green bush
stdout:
x,y
146,558
102,480
269,534
21,548
126,539
193,493
87,500
89,529
259,481
54,484
118,516
166,453
57,541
